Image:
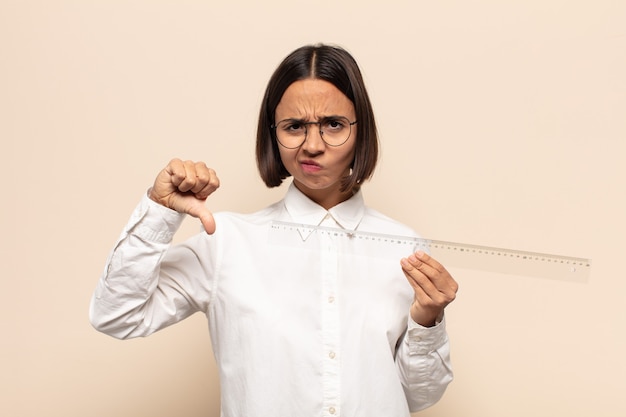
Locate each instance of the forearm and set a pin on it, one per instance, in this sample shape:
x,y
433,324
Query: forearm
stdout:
x,y
423,362
126,302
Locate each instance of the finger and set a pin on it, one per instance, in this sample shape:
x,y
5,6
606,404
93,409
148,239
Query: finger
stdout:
x,y
427,295
415,262
166,182
201,176
207,182
176,171
430,267
418,278
207,220
432,277
187,179
429,260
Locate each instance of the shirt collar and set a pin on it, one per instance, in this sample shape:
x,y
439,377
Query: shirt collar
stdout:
x,y
304,210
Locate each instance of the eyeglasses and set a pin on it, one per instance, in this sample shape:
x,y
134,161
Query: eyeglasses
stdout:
x,y
334,131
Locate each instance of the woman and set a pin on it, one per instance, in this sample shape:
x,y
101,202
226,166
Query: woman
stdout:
x,y
295,332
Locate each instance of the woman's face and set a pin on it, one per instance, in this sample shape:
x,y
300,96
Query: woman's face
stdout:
x,y
316,167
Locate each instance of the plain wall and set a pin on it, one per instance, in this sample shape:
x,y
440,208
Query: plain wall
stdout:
x,y
502,123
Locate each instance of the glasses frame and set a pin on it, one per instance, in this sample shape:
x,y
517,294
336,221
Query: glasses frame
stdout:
x,y
306,130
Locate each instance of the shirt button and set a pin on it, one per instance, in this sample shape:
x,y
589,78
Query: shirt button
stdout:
x,y
331,299
332,410
331,355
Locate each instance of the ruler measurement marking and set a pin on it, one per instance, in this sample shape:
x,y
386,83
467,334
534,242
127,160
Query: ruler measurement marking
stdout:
x,y
520,262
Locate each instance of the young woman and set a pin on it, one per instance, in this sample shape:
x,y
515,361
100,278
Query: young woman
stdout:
x,y
295,332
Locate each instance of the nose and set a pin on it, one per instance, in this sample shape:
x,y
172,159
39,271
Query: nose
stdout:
x,y
313,143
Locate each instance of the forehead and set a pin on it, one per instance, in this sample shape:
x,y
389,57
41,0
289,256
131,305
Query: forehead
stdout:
x,y
313,98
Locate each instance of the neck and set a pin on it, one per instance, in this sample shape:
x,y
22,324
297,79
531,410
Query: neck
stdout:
x,y
325,197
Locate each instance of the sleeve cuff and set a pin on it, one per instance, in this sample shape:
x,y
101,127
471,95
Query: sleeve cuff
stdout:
x,y
154,222
424,340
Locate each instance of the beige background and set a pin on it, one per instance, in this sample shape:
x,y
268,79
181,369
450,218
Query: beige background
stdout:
x,y
502,124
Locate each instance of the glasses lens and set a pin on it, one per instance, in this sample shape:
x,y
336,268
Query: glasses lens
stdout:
x,y
290,133
335,131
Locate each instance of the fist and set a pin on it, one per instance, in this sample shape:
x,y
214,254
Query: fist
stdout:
x,y
184,186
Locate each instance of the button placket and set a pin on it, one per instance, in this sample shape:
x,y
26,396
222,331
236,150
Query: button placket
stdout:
x,y
330,323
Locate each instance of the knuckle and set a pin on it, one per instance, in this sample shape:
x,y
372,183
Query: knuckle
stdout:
x,y
202,177
178,175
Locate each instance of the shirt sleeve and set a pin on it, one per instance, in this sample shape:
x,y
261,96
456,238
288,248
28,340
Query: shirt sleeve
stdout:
x,y
423,361
147,284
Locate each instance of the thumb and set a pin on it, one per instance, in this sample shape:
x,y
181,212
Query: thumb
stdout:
x,y
207,220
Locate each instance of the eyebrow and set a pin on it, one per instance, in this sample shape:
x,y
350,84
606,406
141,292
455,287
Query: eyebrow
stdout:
x,y
306,120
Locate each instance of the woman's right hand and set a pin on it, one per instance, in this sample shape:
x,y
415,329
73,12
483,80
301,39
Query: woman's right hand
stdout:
x,y
184,186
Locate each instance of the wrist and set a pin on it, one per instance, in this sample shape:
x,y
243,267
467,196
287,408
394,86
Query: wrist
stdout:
x,y
425,319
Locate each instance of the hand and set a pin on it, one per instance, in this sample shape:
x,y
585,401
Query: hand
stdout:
x,y
184,186
433,285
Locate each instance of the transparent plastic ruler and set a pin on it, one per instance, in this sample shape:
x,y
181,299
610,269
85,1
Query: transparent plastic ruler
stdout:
x,y
483,258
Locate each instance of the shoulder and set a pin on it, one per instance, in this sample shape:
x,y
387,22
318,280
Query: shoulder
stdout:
x,y
377,222
241,231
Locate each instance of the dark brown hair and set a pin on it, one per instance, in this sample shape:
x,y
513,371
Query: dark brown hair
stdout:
x,y
337,66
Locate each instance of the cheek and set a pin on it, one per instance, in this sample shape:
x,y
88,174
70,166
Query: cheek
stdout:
x,y
287,156
349,157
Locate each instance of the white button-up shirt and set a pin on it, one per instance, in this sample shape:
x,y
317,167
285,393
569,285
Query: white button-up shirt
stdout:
x,y
295,332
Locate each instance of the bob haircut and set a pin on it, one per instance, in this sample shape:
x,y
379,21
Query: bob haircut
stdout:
x,y
337,66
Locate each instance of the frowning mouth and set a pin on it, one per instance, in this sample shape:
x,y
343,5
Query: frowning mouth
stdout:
x,y
310,166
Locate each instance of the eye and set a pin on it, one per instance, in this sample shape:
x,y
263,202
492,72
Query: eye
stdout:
x,y
292,127
334,124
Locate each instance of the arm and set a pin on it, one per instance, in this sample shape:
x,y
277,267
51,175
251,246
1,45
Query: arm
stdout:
x,y
146,284
423,362
423,355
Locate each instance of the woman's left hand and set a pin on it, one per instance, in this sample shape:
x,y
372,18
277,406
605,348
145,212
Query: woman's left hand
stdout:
x,y
433,285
